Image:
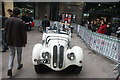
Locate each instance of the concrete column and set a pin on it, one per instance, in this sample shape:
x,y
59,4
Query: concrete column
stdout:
x,y
73,8
80,11
8,5
36,10
0,8
43,9
0,18
48,10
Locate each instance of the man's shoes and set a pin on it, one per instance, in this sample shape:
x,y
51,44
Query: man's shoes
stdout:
x,y
20,66
3,50
9,72
7,48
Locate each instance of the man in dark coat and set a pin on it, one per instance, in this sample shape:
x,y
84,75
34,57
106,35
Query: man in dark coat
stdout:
x,y
45,23
16,38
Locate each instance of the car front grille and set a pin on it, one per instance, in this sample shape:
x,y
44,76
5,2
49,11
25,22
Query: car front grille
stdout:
x,y
58,56
55,54
61,56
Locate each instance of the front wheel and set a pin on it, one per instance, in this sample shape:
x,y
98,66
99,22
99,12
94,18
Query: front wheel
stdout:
x,y
77,70
37,68
74,69
41,69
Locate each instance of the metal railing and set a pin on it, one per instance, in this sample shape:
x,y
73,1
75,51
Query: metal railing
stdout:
x,y
108,46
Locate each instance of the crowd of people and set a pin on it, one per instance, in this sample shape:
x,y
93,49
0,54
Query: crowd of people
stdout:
x,y
103,27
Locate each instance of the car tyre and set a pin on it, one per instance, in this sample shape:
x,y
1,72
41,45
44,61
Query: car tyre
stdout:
x,y
40,29
29,28
37,68
77,70
73,69
40,69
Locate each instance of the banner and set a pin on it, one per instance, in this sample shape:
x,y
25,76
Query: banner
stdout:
x,y
87,36
107,46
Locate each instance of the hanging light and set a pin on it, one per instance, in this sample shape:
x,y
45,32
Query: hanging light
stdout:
x,y
110,7
114,6
99,4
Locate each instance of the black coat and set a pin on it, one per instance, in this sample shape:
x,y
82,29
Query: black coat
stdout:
x,y
45,22
26,19
108,31
15,32
94,27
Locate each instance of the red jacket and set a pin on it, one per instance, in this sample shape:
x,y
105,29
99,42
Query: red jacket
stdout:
x,y
102,29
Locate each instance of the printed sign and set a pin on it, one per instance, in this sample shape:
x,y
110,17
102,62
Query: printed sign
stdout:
x,y
103,44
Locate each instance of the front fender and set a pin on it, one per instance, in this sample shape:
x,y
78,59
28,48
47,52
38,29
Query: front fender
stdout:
x,y
78,56
44,36
78,52
36,53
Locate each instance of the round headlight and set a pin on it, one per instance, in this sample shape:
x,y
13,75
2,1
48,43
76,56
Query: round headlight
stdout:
x,y
71,56
46,55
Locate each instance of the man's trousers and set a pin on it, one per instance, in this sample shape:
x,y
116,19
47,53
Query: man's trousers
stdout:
x,y
12,55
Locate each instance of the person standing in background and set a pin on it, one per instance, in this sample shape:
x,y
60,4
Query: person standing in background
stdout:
x,y
10,12
16,38
118,30
4,45
108,30
25,17
45,23
102,28
90,24
94,26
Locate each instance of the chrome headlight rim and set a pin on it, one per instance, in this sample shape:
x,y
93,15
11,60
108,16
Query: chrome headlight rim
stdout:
x,y
71,56
46,55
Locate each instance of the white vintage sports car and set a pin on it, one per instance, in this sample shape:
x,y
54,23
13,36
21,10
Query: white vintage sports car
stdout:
x,y
55,52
